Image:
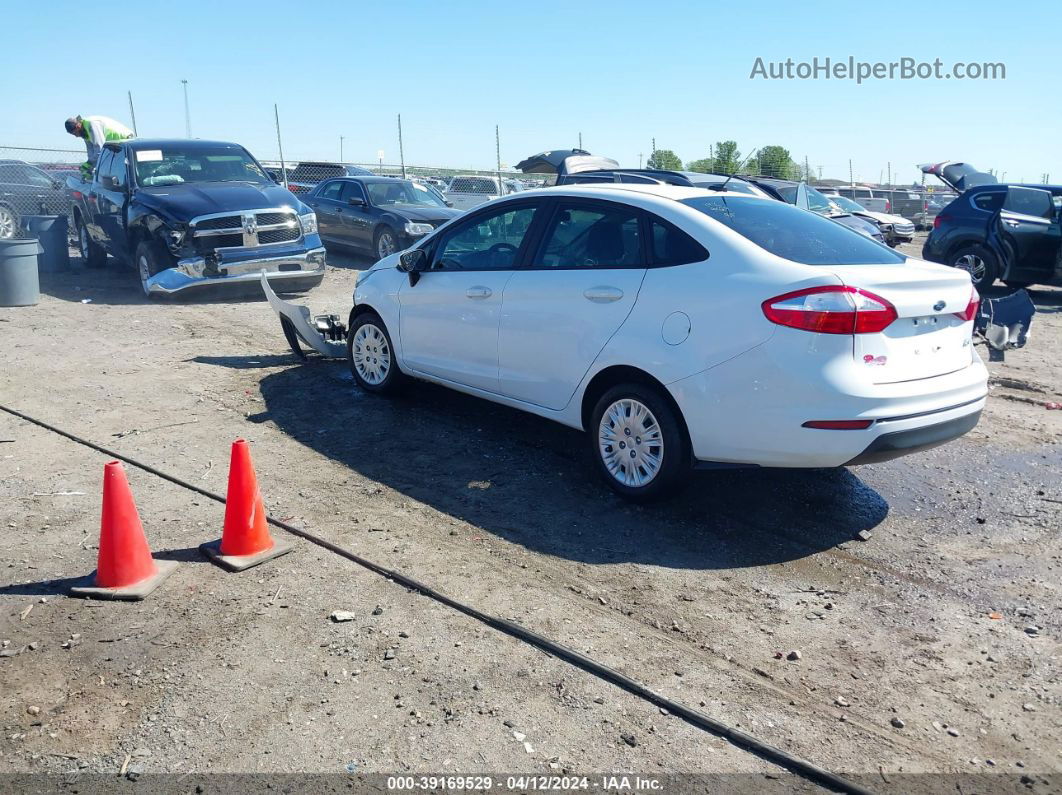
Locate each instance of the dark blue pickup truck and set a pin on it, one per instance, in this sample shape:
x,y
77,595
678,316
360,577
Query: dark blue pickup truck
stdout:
x,y
189,214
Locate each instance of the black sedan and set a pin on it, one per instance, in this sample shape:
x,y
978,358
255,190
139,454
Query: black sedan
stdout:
x,y
378,215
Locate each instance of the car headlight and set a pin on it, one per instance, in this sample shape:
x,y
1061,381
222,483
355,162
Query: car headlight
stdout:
x,y
416,230
175,238
308,223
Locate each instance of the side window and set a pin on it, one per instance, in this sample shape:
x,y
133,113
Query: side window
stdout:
x,y
32,176
117,169
331,190
584,236
104,163
1029,201
988,201
352,190
672,246
489,242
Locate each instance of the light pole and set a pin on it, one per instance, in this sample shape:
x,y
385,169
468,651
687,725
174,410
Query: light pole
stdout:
x,y
341,149
187,115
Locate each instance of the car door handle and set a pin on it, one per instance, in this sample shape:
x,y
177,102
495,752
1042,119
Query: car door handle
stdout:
x,y
603,295
1010,222
479,292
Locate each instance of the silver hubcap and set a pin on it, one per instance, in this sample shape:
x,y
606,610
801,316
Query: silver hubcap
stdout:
x,y
7,223
972,264
371,354
387,245
630,442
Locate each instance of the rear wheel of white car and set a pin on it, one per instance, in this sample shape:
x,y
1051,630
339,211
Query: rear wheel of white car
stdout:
x,y
979,262
371,355
638,442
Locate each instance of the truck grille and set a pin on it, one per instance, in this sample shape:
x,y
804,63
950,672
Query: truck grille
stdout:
x,y
245,230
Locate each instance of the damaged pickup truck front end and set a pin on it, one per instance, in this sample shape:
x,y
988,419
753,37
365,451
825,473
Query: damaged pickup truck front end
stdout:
x,y
192,214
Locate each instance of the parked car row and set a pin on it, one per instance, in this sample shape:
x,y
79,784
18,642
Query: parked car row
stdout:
x,y
26,190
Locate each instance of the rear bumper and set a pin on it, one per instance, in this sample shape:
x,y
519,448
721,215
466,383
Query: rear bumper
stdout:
x,y
751,409
893,444
306,268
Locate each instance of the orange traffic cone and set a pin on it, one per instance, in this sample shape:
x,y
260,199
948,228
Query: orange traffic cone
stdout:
x,y
124,567
245,539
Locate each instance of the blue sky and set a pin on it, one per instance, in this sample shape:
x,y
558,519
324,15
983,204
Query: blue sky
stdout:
x,y
619,72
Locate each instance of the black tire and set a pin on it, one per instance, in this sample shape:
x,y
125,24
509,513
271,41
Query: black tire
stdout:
x,y
92,253
673,470
9,222
384,233
979,262
150,259
369,339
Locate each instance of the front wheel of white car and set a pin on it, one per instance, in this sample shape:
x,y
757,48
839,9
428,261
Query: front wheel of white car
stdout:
x,y
371,355
639,443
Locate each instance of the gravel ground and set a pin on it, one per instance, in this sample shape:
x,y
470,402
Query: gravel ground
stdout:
x,y
931,648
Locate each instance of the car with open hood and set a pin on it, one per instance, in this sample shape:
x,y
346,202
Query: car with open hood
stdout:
x,y
995,231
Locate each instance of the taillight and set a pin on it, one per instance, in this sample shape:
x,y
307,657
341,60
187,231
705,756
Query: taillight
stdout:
x,y
970,312
938,220
888,206
831,310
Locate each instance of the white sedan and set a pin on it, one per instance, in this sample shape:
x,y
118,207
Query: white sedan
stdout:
x,y
680,328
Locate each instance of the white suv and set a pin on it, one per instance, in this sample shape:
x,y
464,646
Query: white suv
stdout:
x,y
679,327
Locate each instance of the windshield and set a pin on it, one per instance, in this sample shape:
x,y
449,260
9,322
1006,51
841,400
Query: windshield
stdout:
x,y
172,166
734,185
846,204
817,202
789,232
384,194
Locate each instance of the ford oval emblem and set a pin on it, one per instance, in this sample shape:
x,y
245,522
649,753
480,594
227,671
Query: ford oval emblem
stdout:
x,y
938,306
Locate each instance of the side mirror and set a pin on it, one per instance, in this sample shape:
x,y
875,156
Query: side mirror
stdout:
x,y
354,201
413,261
449,204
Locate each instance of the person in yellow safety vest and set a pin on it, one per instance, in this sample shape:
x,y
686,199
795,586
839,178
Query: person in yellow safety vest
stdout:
x,y
96,131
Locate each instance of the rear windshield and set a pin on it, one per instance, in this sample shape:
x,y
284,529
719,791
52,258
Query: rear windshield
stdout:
x,y
794,234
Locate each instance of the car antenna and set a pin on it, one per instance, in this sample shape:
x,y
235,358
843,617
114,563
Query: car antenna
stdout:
x,y
722,185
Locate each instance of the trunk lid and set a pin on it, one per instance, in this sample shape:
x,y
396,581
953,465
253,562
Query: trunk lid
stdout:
x,y
958,176
927,339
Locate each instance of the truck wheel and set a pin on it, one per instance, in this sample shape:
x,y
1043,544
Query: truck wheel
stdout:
x,y
92,254
979,262
150,260
8,223
385,243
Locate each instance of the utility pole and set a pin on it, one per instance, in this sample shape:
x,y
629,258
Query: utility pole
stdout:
x,y
187,115
401,150
851,179
820,172
280,146
497,154
341,149
640,155
580,140
890,173
807,170
132,113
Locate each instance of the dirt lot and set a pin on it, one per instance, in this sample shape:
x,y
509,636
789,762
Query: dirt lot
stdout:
x,y
931,648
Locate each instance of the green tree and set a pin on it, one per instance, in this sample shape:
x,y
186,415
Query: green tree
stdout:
x,y
665,159
706,165
775,161
727,157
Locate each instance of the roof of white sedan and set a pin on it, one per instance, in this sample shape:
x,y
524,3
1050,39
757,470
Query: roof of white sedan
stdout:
x,y
607,190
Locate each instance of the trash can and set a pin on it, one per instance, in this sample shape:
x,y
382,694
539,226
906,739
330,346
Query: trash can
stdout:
x,y
18,272
51,231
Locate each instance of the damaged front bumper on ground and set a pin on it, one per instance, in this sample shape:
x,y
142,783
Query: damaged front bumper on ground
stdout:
x,y
298,269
